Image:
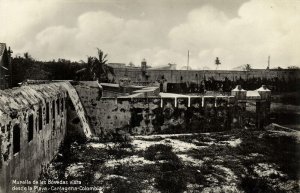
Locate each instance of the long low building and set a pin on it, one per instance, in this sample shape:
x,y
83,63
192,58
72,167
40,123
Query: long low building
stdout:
x,y
146,74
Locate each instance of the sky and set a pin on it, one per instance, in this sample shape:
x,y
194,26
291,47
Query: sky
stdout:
x,y
238,32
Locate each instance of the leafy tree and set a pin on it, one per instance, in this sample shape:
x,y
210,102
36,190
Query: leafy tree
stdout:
x,y
27,56
293,67
131,64
247,67
26,67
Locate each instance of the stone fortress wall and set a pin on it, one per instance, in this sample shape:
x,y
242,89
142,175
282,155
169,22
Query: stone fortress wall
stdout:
x,y
145,112
33,122
35,119
196,76
33,125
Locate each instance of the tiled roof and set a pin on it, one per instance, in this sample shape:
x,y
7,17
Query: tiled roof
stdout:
x,y
2,48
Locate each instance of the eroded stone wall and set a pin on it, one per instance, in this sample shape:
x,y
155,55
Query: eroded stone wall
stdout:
x,y
104,115
180,115
195,81
33,125
171,113
178,76
148,115
77,120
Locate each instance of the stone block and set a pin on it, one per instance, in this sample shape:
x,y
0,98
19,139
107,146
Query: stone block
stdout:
x,y
264,92
239,93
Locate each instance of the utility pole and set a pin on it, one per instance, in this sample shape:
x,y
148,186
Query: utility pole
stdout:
x,y
268,63
188,60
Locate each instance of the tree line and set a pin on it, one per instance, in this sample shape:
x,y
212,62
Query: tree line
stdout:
x,y
95,68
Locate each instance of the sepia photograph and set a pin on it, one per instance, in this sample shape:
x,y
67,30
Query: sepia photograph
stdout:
x,y
150,96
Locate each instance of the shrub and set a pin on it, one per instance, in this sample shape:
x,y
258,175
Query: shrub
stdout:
x,y
171,165
171,182
160,152
171,178
252,185
122,186
121,136
118,151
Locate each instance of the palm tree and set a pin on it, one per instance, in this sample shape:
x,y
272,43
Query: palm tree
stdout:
x,y
217,62
100,67
247,67
96,68
28,57
131,64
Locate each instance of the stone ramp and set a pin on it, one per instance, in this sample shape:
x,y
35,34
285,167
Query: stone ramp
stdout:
x,y
73,95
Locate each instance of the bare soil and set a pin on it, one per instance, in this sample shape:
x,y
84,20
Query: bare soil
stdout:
x,y
233,161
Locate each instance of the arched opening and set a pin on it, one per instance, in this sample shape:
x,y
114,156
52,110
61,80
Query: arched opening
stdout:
x,y
47,113
62,105
30,128
16,139
57,106
53,109
40,118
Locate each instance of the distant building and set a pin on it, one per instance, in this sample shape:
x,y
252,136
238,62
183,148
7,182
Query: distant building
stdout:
x,y
117,65
165,67
5,67
144,65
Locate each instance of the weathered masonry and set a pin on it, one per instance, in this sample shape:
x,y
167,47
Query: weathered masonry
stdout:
x,y
33,122
138,75
35,118
144,112
199,81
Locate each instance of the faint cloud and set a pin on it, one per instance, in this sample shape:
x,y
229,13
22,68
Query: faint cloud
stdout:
x,y
260,29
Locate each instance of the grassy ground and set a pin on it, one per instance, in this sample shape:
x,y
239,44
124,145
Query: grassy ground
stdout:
x,y
235,161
